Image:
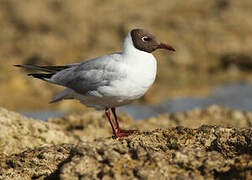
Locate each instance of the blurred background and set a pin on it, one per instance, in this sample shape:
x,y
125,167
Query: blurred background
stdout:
x,y
213,42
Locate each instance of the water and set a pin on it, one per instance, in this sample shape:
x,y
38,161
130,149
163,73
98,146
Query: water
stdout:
x,y
234,96
43,115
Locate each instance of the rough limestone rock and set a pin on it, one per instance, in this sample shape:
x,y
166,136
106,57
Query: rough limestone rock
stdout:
x,y
82,126
222,151
212,115
184,153
32,164
18,133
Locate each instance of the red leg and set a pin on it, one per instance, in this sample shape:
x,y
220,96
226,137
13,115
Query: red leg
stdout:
x,y
116,120
107,112
119,131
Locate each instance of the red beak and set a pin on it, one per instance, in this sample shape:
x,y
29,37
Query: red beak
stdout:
x,y
165,46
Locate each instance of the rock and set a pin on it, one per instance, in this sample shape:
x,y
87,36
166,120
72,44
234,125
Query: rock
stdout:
x,y
212,115
83,125
207,152
19,133
38,163
204,152
90,124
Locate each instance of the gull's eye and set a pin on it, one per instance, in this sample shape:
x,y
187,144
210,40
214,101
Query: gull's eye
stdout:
x,y
146,38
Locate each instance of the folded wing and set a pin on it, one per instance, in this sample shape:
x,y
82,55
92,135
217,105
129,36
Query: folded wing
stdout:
x,y
80,77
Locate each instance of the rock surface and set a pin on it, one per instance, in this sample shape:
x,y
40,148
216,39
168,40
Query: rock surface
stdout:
x,y
19,133
166,147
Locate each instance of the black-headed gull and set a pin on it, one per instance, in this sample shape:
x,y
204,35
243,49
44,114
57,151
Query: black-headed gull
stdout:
x,y
110,81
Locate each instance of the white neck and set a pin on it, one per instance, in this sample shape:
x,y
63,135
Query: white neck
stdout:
x,y
130,50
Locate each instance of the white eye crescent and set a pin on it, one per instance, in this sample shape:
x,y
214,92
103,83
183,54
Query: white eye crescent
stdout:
x,y
146,38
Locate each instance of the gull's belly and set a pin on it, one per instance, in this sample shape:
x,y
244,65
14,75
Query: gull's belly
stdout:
x,y
137,81
118,93
133,87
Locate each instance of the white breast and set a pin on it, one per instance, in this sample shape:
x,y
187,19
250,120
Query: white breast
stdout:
x,y
140,75
141,69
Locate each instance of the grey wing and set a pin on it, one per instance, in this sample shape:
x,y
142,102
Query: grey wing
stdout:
x,y
90,75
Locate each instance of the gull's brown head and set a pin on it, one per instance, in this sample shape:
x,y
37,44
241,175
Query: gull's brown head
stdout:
x,y
145,41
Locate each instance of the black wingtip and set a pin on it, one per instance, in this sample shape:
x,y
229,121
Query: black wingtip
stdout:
x,y
17,65
41,76
52,101
36,76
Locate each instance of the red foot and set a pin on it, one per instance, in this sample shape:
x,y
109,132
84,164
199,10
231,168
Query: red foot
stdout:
x,y
126,131
123,132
